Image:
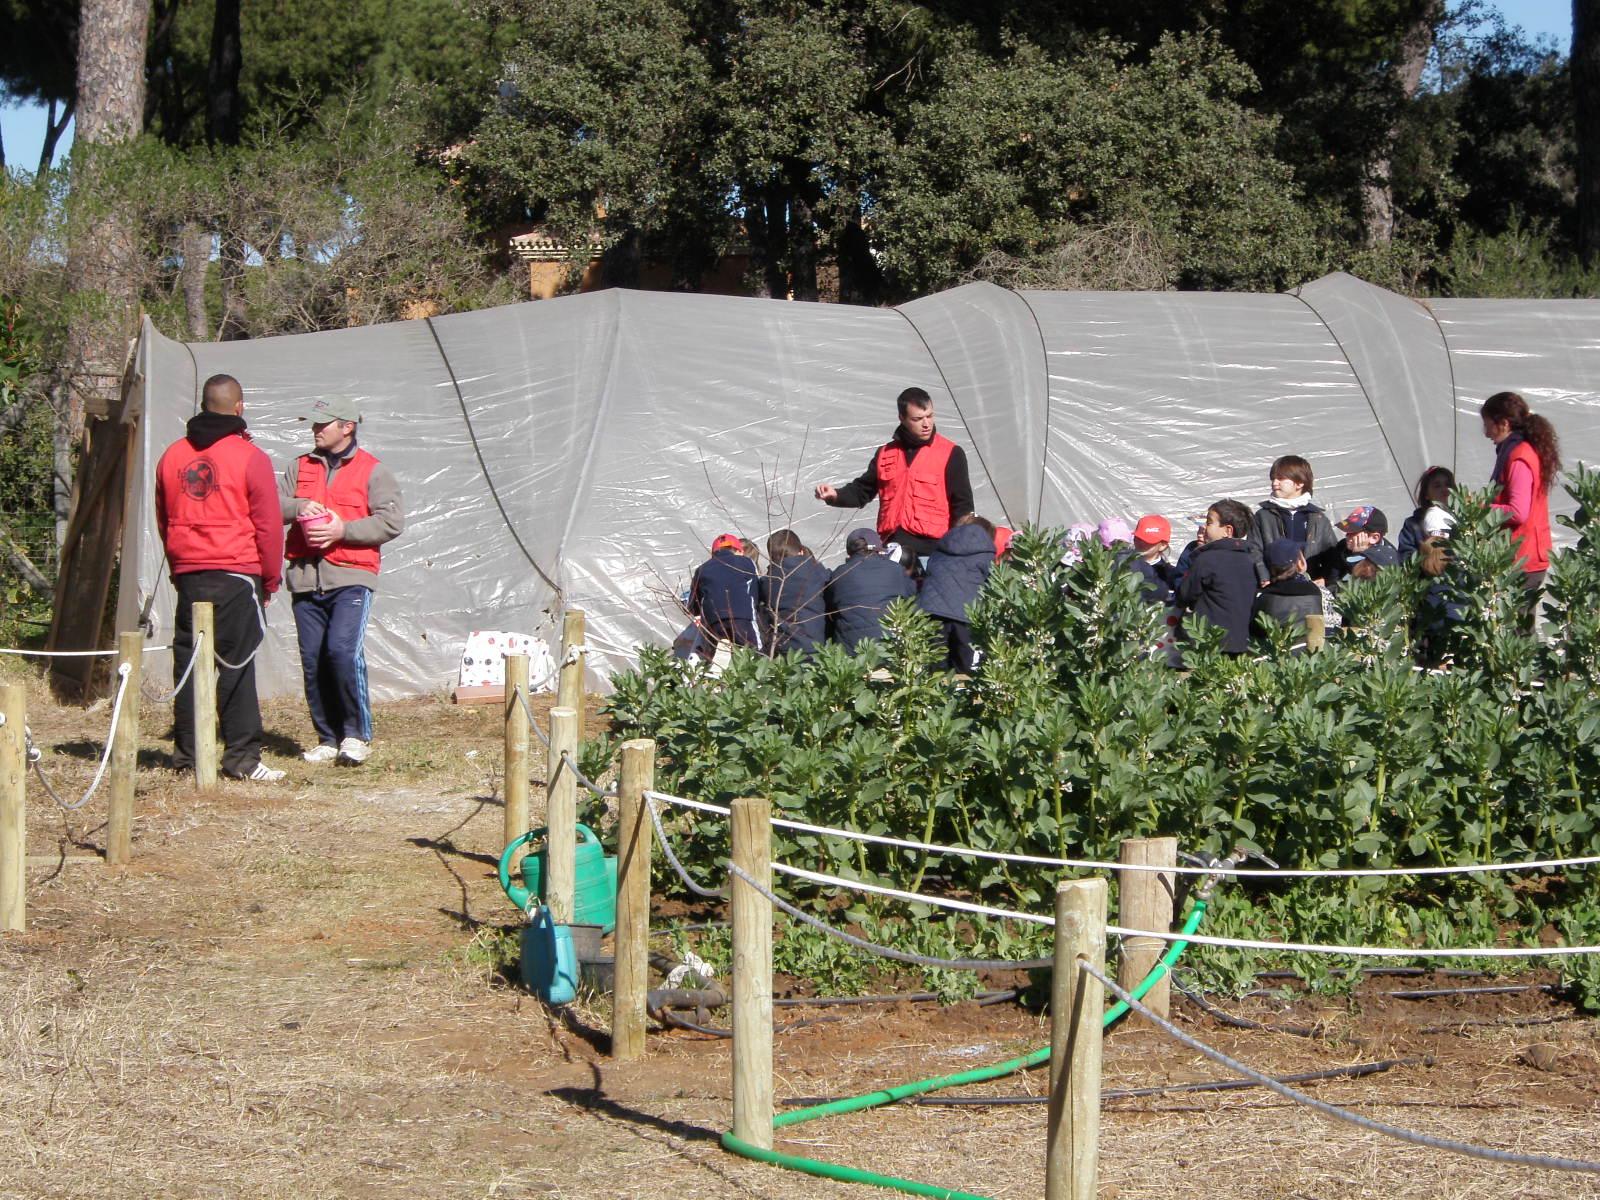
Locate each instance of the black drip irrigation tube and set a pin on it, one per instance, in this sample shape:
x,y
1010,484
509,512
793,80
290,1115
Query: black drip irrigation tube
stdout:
x,y
1356,1071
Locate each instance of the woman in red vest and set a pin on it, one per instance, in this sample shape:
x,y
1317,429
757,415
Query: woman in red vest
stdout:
x,y
1527,458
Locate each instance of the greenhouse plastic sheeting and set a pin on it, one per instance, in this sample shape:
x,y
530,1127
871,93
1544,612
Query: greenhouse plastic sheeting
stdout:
x,y
585,451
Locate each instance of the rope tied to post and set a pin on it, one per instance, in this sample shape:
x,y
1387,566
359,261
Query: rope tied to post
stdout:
x,y
188,670
35,755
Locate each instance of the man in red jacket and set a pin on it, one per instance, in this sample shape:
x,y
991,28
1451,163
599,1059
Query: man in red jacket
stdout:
x,y
343,504
919,478
217,510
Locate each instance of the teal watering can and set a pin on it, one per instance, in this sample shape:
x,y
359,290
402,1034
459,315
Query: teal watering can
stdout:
x,y
594,898
549,960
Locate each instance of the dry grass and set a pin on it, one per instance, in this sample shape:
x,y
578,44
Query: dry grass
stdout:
x,y
292,993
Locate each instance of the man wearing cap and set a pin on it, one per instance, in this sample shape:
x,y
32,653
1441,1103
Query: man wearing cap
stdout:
x,y
1365,538
861,587
217,513
724,593
341,504
919,478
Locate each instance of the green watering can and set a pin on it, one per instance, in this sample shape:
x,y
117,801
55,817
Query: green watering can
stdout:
x,y
594,898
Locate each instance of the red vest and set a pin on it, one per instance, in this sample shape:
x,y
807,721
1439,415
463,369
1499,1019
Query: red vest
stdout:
x,y
347,497
1531,537
206,503
913,498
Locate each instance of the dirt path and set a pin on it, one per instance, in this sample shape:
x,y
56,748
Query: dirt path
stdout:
x,y
288,995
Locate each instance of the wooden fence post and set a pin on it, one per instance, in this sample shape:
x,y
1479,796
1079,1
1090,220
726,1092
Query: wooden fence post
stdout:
x,y
516,812
125,753
204,682
1077,1011
632,953
569,691
752,973
13,809
561,817
1144,901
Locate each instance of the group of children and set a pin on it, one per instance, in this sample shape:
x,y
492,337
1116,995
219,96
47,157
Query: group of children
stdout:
x,y
798,604
1284,562
1242,571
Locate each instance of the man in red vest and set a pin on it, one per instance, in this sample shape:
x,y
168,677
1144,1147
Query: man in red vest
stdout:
x,y
342,504
217,511
919,478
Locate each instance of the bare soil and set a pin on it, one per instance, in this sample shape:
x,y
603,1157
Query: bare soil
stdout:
x,y
290,993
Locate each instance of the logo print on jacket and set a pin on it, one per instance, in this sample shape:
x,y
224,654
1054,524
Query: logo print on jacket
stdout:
x,y
198,479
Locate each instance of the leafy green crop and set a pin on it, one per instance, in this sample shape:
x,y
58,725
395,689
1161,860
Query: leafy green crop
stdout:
x,y
1072,736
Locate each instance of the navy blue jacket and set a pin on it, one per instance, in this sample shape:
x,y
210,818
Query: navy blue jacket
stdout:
x,y
1411,535
797,609
957,570
723,595
1221,587
1159,578
859,589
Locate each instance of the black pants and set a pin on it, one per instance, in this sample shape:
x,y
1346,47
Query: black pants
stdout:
x,y
238,631
958,641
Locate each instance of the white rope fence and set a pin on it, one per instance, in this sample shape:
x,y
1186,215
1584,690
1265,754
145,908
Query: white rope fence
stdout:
x,y
1087,864
77,653
821,878
1412,1136
34,754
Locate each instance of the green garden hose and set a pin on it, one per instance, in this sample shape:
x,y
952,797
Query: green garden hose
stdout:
x,y
827,1170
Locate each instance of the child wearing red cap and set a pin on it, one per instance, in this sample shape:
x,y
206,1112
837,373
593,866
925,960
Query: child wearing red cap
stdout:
x,y
1151,538
725,592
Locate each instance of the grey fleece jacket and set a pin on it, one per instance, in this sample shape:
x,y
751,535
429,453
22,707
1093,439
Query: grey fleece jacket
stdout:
x,y
385,523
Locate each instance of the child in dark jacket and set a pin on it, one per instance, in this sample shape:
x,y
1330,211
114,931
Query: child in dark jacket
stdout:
x,y
957,570
1221,584
1290,513
1152,536
1289,598
861,587
723,594
1433,491
793,595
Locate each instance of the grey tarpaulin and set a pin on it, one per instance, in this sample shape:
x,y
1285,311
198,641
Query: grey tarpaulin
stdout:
x,y
586,450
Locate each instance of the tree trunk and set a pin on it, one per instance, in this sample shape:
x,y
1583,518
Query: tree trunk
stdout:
x,y
224,110
223,106
755,236
61,477
103,273
860,281
102,259
1377,193
802,247
1586,111
196,258
775,258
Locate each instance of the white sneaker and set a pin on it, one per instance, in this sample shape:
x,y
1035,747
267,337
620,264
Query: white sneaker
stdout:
x,y
321,754
354,750
265,774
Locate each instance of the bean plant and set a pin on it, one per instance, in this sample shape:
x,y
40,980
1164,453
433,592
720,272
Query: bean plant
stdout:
x,y
1436,727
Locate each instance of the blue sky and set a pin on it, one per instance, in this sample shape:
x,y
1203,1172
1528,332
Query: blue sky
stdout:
x,y
23,125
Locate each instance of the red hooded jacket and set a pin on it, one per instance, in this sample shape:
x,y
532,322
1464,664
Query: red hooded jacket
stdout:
x,y
217,503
